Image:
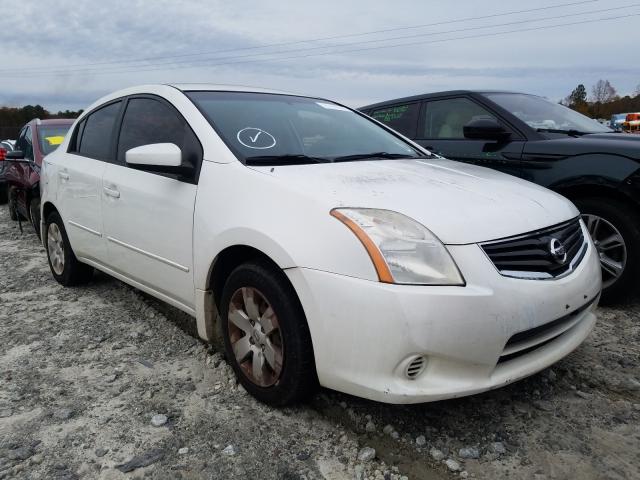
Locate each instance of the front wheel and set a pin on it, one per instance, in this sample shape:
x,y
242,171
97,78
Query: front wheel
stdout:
x,y
615,230
266,337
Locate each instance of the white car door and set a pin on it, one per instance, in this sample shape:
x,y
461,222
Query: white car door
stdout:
x,y
78,173
148,216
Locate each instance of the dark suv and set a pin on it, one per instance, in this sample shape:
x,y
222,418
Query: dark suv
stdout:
x,y
546,143
22,170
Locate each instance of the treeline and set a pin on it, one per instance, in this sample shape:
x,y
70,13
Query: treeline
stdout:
x,y
12,118
603,100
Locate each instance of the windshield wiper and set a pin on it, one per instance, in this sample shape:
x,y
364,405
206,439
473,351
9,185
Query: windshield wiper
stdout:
x,y
284,160
367,156
575,133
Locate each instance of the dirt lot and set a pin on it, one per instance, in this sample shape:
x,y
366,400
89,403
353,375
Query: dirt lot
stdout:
x,y
99,380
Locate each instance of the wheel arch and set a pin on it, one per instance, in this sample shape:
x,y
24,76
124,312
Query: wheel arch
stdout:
x,y
226,260
606,190
48,208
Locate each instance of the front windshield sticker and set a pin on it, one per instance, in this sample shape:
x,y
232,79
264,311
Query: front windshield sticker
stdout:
x,y
55,140
332,106
256,138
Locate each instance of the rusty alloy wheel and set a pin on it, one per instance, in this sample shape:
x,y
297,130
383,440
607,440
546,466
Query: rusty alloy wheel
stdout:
x,y
254,334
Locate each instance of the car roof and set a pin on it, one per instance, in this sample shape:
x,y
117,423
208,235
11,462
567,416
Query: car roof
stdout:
x,y
425,96
210,87
165,88
56,121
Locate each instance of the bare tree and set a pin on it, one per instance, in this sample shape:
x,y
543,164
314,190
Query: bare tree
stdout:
x,y
602,92
637,92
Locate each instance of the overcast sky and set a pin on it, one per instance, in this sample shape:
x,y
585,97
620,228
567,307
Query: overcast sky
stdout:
x,y
214,41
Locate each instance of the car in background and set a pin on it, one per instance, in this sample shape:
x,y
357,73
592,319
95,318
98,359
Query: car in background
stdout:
x,y
36,139
319,245
8,144
617,120
546,143
5,147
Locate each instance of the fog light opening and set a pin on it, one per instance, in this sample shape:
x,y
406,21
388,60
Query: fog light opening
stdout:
x,y
415,367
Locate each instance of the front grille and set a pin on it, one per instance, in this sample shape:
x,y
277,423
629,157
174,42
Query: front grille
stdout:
x,y
532,256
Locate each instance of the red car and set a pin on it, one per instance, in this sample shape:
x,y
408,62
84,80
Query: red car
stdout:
x,y
22,170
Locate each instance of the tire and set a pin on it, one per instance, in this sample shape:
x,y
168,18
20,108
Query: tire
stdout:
x,y
623,218
64,265
294,377
4,193
34,214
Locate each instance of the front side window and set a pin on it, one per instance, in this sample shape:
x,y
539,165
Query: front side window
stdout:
x,y
283,129
445,119
51,136
97,133
147,121
402,118
543,115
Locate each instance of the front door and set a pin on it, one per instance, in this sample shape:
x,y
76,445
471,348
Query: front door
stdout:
x,y
148,217
441,132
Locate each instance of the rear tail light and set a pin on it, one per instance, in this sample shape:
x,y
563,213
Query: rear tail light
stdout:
x,y
3,154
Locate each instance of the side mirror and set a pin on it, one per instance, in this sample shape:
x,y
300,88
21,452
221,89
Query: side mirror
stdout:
x,y
485,129
156,155
159,158
15,155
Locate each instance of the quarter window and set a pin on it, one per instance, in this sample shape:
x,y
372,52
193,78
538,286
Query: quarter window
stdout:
x,y
97,132
446,118
402,118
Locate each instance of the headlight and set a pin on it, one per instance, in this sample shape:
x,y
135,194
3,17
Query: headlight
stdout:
x,y
402,250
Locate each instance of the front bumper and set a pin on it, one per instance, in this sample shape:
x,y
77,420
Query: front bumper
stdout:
x,y
366,333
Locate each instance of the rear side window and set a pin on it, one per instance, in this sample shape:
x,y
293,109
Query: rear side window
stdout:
x,y
446,118
97,132
402,118
147,121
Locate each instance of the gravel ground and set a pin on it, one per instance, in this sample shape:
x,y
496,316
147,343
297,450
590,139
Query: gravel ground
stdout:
x,y
104,382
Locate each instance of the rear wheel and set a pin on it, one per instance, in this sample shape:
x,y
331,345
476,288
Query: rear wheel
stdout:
x,y
266,337
615,229
65,267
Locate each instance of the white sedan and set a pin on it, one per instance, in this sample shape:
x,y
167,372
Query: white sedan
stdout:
x,y
320,246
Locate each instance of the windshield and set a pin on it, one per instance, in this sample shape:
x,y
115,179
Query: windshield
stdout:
x,y
282,129
51,136
542,114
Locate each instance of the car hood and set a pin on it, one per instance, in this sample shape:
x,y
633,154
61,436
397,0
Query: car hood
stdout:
x,y
625,144
459,203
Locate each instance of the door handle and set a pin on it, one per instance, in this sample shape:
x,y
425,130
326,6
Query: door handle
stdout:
x,y
63,175
112,192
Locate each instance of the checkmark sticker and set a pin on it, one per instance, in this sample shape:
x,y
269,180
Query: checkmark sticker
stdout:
x,y
256,138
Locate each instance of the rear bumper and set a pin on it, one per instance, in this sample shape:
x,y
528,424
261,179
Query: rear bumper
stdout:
x,y
365,334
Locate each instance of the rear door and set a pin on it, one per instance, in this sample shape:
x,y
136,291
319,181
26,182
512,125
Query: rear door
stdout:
x,y
79,176
148,217
441,131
